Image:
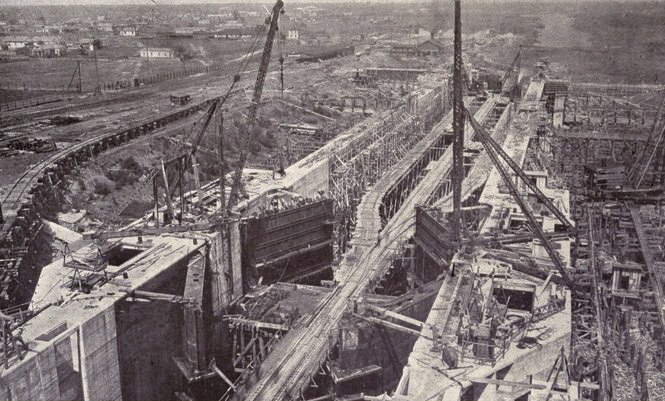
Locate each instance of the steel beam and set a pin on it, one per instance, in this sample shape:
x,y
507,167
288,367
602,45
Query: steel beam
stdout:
x,y
458,126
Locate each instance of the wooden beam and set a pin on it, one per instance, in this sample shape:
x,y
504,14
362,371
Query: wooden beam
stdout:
x,y
395,315
391,325
486,380
169,204
257,324
223,376
244,351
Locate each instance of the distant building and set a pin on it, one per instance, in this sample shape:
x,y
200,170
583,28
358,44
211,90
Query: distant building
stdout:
x,y
217,18
87,44
293,34
40,40
186,30
231,25
233,33
48,50
129,31
327,54
16,42
403,50
157,52
105,26
431,47
308,11
316,38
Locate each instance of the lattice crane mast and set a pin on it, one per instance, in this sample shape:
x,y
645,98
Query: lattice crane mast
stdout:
x,y
256,99
511,79
145,182
496,153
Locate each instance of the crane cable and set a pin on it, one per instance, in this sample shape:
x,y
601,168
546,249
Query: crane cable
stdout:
x,y
281,56
236,77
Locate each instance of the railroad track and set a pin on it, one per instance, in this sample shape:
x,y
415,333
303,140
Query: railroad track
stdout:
x,y
285,373
21,205
218,79
18,204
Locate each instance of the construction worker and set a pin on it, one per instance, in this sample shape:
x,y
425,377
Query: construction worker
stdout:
x,y
19,338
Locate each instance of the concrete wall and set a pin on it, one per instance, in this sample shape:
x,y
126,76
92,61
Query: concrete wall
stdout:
x,y
372,349
537,363
149,337
310,182
99,350
222,284
81,363
236,260
53,374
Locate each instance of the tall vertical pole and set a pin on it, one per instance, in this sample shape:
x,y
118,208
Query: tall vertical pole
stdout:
x,y
78,66
94,51
181,174
147,58
222,173
155,198
197,182
458,127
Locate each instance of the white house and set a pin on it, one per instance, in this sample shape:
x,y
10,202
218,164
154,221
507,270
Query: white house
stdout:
x,y
16,42
129,31
48,50
293,34
157,52
186,30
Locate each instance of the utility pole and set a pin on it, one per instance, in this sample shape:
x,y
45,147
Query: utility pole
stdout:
x,y
458,127
78,67
94,51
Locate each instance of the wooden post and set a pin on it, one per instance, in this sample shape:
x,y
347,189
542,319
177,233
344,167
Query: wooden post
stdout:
x,y
181,173
197,181
169,205
155,200
222,172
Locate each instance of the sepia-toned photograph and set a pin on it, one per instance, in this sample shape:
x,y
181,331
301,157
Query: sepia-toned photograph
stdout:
x,y
332,200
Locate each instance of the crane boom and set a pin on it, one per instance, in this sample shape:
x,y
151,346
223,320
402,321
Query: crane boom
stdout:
x,y
210,113
256,100
511,78
145,182
495,152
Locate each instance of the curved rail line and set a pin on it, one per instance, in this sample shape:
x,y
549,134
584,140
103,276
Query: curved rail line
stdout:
x,y
21,219
143,127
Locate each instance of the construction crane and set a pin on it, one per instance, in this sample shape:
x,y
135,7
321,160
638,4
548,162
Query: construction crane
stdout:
x,y
512,77
256,100
145,182
647,153
496,153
